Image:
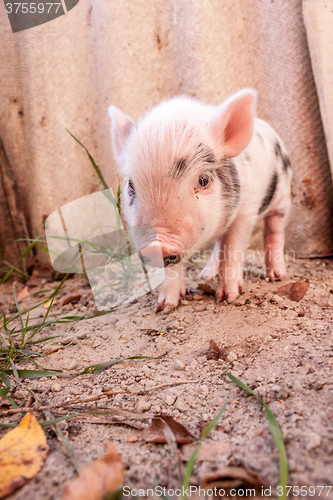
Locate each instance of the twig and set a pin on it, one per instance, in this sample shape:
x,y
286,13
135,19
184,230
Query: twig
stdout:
x,y
94,398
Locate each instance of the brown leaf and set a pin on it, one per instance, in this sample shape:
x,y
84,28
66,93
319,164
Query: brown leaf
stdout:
x,y
207,288
232,478
23,452
70,297
294,291
215,352
155,433
98,479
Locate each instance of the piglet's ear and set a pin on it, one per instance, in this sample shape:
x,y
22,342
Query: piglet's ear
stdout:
x,y
233,122
121,128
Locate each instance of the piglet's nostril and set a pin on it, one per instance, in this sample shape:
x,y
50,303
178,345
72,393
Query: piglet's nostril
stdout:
x,y
171,260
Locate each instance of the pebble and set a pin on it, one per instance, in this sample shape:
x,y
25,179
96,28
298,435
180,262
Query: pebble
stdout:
x,y
43,379
170,400
178,364
313,441
56,388
143,406
277,299
156,409
198,296
240,301
132,439
181,405
71,366
232,356
205,389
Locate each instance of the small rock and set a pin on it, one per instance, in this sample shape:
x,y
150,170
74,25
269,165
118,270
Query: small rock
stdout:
x,y
240,301
178,364
43,379
170,400
313,441
71,366
54,377
132,439
156,409
268,338
274,335
184,302
56,388
181,405
198,296
277,300
143,406
318,385
232,356
205,389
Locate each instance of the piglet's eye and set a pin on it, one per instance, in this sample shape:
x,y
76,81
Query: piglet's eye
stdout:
x,y
131,188
203,181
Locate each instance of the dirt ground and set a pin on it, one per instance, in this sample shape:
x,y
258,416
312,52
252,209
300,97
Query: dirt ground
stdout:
x,y
281,348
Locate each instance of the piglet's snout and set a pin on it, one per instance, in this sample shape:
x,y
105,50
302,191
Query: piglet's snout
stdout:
x,y
160,254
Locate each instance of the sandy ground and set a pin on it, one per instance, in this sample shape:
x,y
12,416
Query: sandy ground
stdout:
x,y
281,348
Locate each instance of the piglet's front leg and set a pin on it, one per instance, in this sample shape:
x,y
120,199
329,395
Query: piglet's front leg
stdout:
x,y
232,257
173,288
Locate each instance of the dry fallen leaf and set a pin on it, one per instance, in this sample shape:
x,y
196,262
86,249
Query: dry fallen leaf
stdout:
x,y
294,291
70,297
210,289
215,352
98,479
23,452
156,432
229,478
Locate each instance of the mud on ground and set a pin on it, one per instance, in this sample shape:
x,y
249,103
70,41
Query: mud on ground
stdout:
x,y
282,349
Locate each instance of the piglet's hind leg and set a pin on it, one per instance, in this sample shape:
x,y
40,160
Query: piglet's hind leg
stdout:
x,y
274,246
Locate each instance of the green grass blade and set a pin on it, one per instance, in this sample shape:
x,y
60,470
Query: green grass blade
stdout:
x,y
33,373
48,423
24,254
106,364
6,382
192,459
14,371
12,403
92,161
276,432
18,307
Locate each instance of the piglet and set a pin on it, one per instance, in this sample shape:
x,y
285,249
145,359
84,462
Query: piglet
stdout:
x,y
195,174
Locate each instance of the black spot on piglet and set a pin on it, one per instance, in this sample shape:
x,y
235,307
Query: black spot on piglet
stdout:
x,y
269,194
284,157
179,168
